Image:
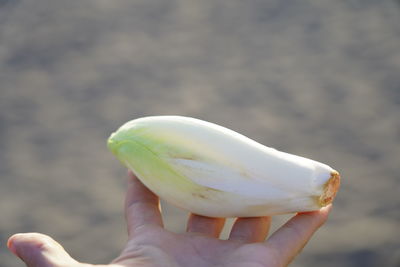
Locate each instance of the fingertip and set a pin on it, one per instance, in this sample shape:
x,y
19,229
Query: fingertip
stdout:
x,y
10,244
26,246
327,209
290,238
37,249
324,210
131,177
20,240
137,191
320,215
324,213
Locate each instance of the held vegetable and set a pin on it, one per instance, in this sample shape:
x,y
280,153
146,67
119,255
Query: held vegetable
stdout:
x,y
213,171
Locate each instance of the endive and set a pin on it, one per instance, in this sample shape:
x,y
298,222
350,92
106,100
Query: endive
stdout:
x,y
213,171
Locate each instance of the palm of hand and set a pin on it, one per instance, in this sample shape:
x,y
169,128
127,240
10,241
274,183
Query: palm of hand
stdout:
x,y
150,245
157,247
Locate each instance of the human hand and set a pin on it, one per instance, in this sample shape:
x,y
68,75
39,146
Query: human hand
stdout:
x,y
150,245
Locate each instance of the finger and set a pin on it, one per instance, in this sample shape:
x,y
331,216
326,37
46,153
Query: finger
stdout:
x,y
250,229
205,225
290,239
141,205
39,250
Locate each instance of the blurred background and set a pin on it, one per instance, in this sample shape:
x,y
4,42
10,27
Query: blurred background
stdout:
x,y
316,78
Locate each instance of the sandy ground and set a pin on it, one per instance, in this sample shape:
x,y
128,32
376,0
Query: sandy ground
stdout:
x,y
314,78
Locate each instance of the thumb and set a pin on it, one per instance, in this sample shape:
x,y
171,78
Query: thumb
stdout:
x,y
39,250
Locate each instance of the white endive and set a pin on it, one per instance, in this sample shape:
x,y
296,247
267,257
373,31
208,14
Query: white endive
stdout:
x,y
213,171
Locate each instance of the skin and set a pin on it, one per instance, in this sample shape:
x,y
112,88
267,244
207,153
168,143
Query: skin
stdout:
x,y
150,245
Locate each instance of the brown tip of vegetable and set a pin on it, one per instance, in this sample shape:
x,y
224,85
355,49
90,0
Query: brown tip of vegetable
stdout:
x,y
331,187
